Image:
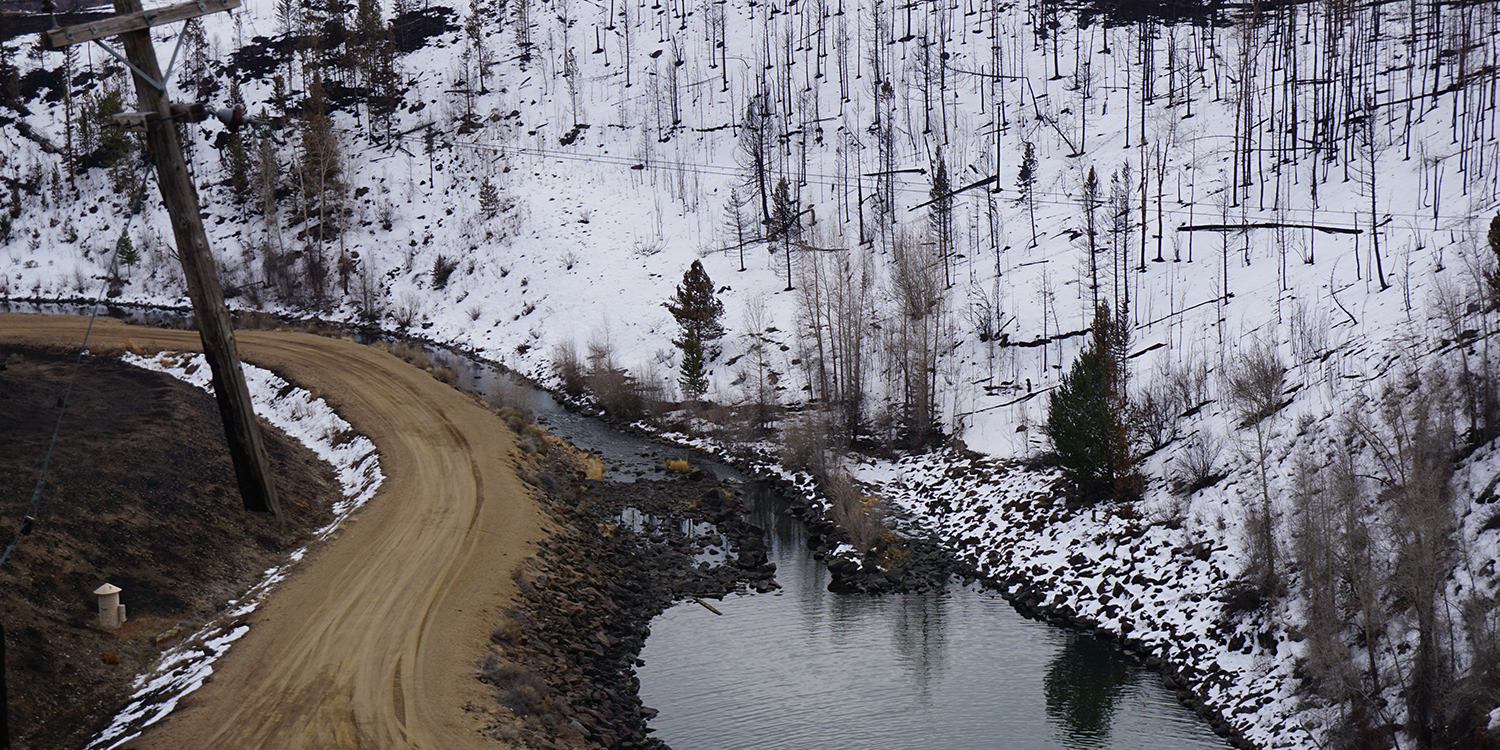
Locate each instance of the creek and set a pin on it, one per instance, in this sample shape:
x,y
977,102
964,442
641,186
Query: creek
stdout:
x,y
803,668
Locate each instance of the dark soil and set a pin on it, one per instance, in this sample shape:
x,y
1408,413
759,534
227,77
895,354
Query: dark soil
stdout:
x,y
141,493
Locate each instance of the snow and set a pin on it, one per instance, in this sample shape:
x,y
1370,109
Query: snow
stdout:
x,y
599,231
185,667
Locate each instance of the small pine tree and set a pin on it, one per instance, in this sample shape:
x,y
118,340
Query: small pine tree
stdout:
x,y
1088,417
125,250
1026,181
940,217
784,225
489,199
698,311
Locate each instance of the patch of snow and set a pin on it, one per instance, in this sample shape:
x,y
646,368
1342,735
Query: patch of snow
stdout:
x,y
185,667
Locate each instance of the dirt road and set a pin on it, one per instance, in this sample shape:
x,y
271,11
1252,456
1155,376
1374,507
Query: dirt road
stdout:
x,y
372,642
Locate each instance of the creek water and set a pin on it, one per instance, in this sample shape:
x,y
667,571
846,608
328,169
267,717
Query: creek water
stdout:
x,y
802,668
806,669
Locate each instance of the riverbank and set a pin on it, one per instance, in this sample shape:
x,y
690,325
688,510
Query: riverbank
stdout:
x,y
561,660
1149,584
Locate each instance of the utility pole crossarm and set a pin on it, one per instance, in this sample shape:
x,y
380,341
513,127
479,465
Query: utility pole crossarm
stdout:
x,y
55,39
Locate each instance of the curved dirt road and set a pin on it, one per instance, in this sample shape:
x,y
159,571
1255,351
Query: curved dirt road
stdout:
x,y
372,642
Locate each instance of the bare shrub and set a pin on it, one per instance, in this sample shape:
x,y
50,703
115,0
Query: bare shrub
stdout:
x,y
1197,463
1415,450
860,517
413,355
1252,384
1317,536
618,391
1188,383
1158,408
652,391
756,376
508,631
1309,333
569,368
516,687
406,312
807,444
512,396
368,294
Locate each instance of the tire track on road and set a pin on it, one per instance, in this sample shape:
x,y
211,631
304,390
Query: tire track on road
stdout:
x,y
371,643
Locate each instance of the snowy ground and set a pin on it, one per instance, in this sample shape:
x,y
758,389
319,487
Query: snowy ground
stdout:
x,y
184,668
591,236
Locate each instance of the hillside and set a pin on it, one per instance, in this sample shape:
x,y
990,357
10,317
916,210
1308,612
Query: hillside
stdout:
x,y
128,492
1303,186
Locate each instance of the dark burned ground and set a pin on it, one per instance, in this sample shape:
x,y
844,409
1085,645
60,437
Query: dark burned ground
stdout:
x,y
562,661
141,493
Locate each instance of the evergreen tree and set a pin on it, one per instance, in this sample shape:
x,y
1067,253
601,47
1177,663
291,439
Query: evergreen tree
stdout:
x,y
785,224
1087,417
940,216
1090,204
385,87
694,375
1026,182
236,155
125,250
698,311
489,199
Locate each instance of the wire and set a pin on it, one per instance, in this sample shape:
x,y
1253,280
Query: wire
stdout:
x,y
1043,197
36,496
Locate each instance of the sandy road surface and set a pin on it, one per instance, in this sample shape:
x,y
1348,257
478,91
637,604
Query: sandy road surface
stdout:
x,y
372,642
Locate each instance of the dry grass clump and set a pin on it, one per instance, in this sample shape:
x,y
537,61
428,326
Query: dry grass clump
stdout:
x,y
861,517
516,687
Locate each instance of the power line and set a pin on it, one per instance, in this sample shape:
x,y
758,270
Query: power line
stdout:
x,y
24,527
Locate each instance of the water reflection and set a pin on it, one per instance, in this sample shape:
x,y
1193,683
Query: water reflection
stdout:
x,y
1084,683
805,669
920,639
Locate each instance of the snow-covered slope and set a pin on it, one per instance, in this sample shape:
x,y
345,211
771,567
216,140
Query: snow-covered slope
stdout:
x,y
1352,147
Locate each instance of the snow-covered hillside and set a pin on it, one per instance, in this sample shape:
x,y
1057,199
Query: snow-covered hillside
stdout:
x,y
1308,181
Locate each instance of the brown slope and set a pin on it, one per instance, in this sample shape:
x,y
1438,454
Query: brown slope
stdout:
x,y
372,643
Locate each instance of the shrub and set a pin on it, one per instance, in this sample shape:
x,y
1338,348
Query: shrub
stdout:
x,y
442,268
516,687
807,445
1196,463
569,368
861,518
1156,413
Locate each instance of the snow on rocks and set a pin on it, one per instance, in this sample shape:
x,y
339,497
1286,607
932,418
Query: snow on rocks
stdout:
x,y
185,667
1154,586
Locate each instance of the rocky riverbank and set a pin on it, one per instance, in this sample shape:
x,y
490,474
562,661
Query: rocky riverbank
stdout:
x,y
562,660
1144,584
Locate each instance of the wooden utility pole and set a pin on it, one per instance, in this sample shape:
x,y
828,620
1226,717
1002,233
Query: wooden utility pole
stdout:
x,y
133,26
